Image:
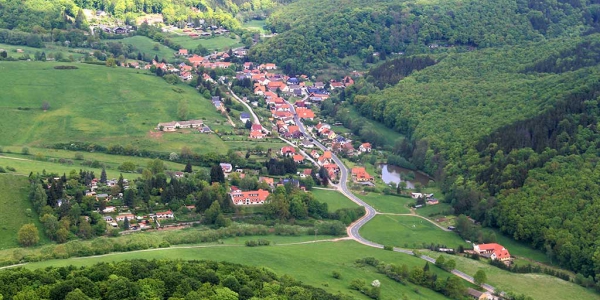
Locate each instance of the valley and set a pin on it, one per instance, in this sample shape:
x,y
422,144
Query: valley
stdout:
x,y
349,150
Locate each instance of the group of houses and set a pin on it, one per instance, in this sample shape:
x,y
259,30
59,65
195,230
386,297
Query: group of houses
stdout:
x,y
136,222
430,200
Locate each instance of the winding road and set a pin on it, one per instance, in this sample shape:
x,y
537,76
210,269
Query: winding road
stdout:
x,y
370,213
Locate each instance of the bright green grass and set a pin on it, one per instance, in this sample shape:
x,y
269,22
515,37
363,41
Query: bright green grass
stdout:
x,y
334,199
95,104
146,45
212,43
257,25
390,135
49,49
537,286
387,203
310,263
24,167
408,231
14,191
436,210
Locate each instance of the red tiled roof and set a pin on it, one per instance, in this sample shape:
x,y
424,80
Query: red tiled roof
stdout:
x,y
298,158
499,250
250,197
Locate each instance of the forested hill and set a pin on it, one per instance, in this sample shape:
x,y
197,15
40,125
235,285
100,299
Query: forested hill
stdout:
x,y
312,32
49,14
156,279
512,135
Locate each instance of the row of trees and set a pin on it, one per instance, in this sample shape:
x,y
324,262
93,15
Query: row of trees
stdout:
x,y
156,279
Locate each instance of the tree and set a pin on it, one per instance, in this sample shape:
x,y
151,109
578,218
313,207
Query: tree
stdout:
x,y
28,235
156,166
480,278
85,229
25,151
182,110
45,106
103,178
80,20
126,224
128,198
211,214
248,124
51,225
77,294
188,167
111,62
216,174
440,261
127,166
38,197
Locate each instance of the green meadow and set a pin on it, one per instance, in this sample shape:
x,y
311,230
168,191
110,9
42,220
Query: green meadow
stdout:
x,y
537,286
146,45
334,199
257,25
408,232
11,50
16,209
311,263
98,105
387,203
217,43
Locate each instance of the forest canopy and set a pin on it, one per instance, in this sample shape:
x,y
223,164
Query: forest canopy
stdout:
x,y
155,279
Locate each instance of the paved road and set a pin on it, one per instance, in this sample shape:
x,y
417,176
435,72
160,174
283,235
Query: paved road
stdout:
x,y
370,213
254,116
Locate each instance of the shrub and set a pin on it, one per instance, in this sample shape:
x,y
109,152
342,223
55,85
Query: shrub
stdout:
x,y
388,248
336,275
2,170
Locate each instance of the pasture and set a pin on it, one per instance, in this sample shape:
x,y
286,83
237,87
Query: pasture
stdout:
x,y
387,203
99,105
311,263
408,232
537,286
16,209
216,43
334,199
146,45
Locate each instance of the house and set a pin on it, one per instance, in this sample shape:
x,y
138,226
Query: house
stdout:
x,y
307,144
306,173
245,117
305,113
174,125
257,134
248,65
267,180
217,103
433,202
120,30
185,76
248,198
332,169
205,129
475,294
256,127
288,151
227,168
109,209
315,154
267,67
493,251
298,158
348,81
182,52
336,85
319,85
165,215
359,174
365,147
325,158
122,217
421,195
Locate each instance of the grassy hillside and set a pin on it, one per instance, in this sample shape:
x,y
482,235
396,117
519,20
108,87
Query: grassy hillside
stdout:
x,y
14,191
408,232
311,263
99,105
334,199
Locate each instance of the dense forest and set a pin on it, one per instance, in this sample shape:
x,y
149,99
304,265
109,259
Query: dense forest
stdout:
x,y
511,134
41,15
320,32
156,279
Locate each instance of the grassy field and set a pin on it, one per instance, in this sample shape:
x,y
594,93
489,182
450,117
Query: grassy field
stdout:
x,y
14,201
387,203
29,163
49,49
146,45
99,105
536,286
408,232
310,263
334,199
214,43
434,210
257,25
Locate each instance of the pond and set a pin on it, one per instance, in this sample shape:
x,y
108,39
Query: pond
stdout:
x,y
394,174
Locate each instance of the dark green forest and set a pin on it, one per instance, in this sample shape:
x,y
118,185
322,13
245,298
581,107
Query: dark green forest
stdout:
x,y
511,134
155,279
313,33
